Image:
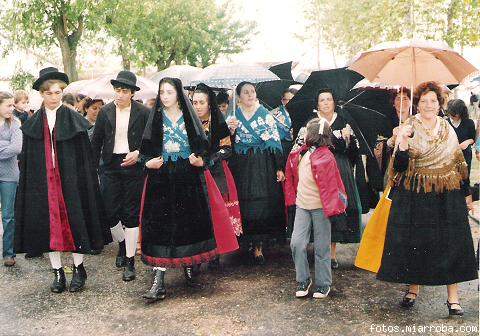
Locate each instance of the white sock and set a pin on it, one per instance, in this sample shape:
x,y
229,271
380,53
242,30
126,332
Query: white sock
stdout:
x,y
159,269
55,259
131,239
77,258
118,234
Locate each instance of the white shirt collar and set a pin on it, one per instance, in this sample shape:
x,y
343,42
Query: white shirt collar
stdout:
x,y
52,111
125,109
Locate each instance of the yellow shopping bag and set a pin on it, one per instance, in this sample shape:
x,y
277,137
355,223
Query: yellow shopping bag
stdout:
x,y
369,256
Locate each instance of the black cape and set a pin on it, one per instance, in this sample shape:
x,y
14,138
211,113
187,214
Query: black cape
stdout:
x,y
79,185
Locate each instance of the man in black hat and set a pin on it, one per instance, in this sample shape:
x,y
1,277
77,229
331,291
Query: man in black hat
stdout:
x,y
116,138
58,204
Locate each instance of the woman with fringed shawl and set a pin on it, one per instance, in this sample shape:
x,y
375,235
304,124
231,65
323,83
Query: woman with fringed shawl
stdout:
x,y
184,221
428,239
257,166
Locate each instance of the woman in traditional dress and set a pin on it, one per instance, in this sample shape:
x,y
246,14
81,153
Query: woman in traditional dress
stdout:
x,y
182,207
464,127
284,122
257,166
219,150
346,152
428,239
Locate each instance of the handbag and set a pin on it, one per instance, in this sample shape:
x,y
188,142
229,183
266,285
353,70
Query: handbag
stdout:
x,y
369,255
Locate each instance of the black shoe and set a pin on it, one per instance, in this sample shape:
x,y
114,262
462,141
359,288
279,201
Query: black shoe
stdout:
x,y
454,311
259,259
157,292
33,255
78,278
408,302
214,264
191,278
129,270
334,263
303,288
121,261
60,282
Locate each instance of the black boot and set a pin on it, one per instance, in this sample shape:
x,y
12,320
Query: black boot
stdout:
x,y
191,278
214,264
157,292
78,278
120,261
59,283
129,270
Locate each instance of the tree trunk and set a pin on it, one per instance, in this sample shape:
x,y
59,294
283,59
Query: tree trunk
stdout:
x,y
68,43
448,34
126,64
69,58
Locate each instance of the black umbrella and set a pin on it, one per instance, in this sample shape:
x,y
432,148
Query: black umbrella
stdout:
x,y
283,70
340,81
366,121
270,92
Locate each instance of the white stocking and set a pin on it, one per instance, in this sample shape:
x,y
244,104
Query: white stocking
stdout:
x,y
118,234
131,239
55,259
77,258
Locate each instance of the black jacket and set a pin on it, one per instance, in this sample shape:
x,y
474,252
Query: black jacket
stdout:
x,y
103,138
79,182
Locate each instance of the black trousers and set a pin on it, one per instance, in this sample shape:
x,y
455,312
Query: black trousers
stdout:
x,y
122,191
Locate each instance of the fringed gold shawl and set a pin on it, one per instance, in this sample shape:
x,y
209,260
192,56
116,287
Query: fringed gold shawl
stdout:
x,y
436,162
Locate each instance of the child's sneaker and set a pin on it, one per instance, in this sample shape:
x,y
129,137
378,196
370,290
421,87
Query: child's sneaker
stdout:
x,y
302,288
321,292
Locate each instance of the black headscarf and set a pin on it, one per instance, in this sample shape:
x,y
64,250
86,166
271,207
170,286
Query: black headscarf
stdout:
x,y
218,126
152,142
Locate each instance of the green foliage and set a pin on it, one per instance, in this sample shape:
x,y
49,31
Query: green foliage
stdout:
x,y
162,32
21,80
46,24
348,27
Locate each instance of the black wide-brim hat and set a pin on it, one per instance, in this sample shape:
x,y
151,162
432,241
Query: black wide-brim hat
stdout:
x,y
126,79
49,73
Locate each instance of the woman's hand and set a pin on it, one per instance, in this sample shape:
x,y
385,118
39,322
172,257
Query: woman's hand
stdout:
x,y
195,161
465,144
232,124
280,176
154,163
346,133
404,132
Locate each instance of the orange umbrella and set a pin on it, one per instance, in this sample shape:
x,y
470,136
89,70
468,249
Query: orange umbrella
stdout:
x,y
411,63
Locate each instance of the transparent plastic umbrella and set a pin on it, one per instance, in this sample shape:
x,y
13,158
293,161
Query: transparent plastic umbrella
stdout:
x,y
183,72
228,76
101,88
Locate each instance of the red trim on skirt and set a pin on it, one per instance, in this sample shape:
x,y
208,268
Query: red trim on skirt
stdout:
x,y
180,262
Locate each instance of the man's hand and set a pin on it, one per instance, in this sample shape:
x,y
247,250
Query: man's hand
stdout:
x,y
130,159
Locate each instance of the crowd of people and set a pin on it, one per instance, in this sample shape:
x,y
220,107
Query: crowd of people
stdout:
x,y
189,178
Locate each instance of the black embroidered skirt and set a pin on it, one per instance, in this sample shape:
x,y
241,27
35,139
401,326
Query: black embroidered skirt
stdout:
x,y
260,197
177,229
350,231
428,239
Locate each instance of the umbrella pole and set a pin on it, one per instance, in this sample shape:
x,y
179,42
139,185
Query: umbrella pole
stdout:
x,y
411,99
401,106
233,100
